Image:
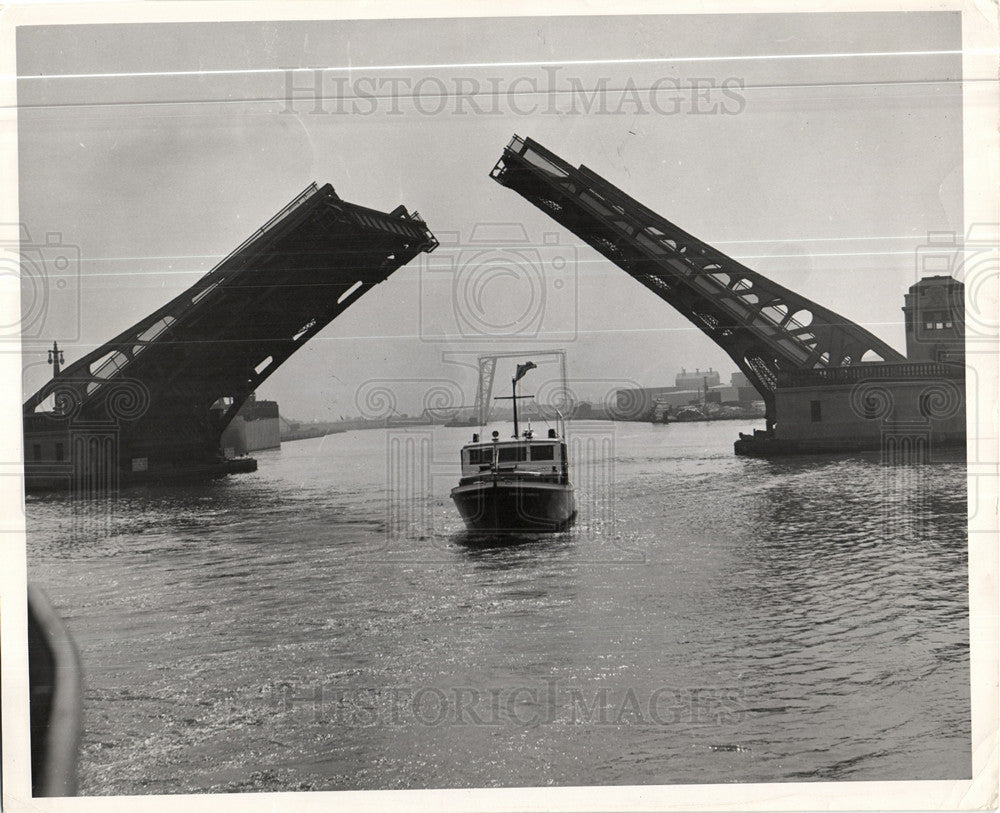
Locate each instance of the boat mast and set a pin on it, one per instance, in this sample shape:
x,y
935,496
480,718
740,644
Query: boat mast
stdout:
x,y
522,369
513,393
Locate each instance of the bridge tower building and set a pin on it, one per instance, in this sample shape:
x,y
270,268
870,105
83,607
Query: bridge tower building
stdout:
x,y
934,315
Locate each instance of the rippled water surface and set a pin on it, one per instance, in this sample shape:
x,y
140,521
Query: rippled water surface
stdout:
x,y
325,624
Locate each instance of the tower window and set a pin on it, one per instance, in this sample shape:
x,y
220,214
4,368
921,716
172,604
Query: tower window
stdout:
x,y
816,411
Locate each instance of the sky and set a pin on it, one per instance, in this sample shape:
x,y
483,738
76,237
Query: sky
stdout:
x,y
818,149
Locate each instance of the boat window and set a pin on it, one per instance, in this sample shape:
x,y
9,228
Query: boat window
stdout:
x,y
512,454
479,456
543,452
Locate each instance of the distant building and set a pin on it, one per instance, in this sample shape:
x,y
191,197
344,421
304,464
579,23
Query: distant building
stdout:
x,y
645,403
699,379
637,403
722,394
255,427
678,398
739,390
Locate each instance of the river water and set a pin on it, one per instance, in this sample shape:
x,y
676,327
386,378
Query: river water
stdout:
x,y
325,624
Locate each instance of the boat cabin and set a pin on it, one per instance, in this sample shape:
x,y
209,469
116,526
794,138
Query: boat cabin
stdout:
x,y
544,459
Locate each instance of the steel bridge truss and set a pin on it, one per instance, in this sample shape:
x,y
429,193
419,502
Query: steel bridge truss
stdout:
x,y
764,327
215,343
487,376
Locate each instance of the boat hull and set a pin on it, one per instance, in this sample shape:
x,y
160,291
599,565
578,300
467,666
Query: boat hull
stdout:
x,y
499,506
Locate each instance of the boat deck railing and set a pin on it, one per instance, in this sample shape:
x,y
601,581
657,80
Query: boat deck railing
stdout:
x,y
507,475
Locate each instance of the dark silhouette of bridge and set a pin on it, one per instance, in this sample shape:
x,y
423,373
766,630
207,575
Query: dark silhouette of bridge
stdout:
x,y
152,402
765,328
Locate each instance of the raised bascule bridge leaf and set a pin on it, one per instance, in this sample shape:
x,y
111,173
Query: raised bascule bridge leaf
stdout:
x,y
164,389
765,328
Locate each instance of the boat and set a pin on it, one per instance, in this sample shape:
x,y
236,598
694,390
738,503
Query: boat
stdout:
x,y
56,699
520,484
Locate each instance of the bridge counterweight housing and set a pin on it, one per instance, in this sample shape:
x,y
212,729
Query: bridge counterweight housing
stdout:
x,y
162,392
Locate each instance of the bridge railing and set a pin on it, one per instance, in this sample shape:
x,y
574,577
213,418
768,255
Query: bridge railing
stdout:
x,y
289,207
866,372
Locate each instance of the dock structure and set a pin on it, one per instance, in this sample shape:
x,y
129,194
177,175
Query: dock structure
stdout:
x,y
783,342
152,403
